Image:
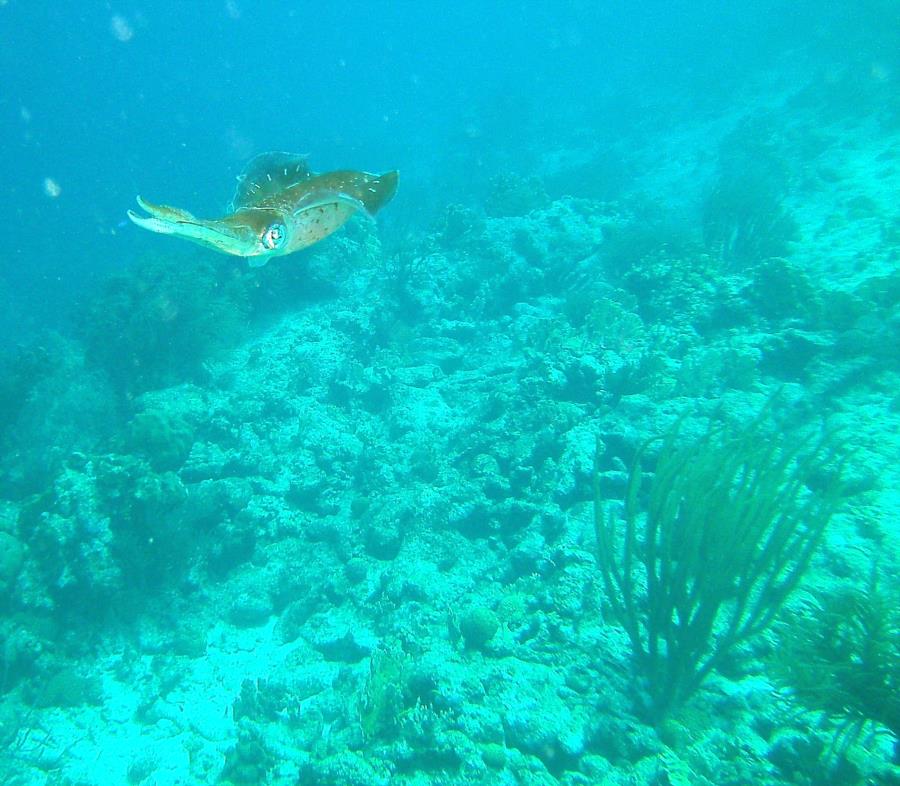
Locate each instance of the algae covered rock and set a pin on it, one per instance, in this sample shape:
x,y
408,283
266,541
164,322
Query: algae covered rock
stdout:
x,y
250,610
478,626
342,769
512,194
165,439
249,761
67,687
12,554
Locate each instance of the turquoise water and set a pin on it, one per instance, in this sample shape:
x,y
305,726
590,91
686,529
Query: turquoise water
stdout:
x,y
575,461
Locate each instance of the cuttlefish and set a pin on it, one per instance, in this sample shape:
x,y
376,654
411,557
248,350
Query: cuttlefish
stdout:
x,y
280,206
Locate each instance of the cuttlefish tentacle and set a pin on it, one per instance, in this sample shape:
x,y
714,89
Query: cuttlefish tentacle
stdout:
x,y
166,220
164,212
280,207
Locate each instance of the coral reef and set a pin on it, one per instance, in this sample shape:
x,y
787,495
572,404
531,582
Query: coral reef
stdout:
x,y
331,521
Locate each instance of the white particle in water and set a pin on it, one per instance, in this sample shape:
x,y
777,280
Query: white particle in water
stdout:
x,y
120,28
51,188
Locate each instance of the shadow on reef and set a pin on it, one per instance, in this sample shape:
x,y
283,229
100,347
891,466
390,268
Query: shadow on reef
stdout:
x,y
745,214
51,406
156,323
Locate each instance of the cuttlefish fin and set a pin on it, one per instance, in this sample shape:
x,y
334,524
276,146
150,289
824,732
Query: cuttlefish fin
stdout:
x,y
268,175
367,191
323,197
375,191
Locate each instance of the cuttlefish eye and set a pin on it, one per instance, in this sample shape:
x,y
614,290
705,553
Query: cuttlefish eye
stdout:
x,y
274,236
